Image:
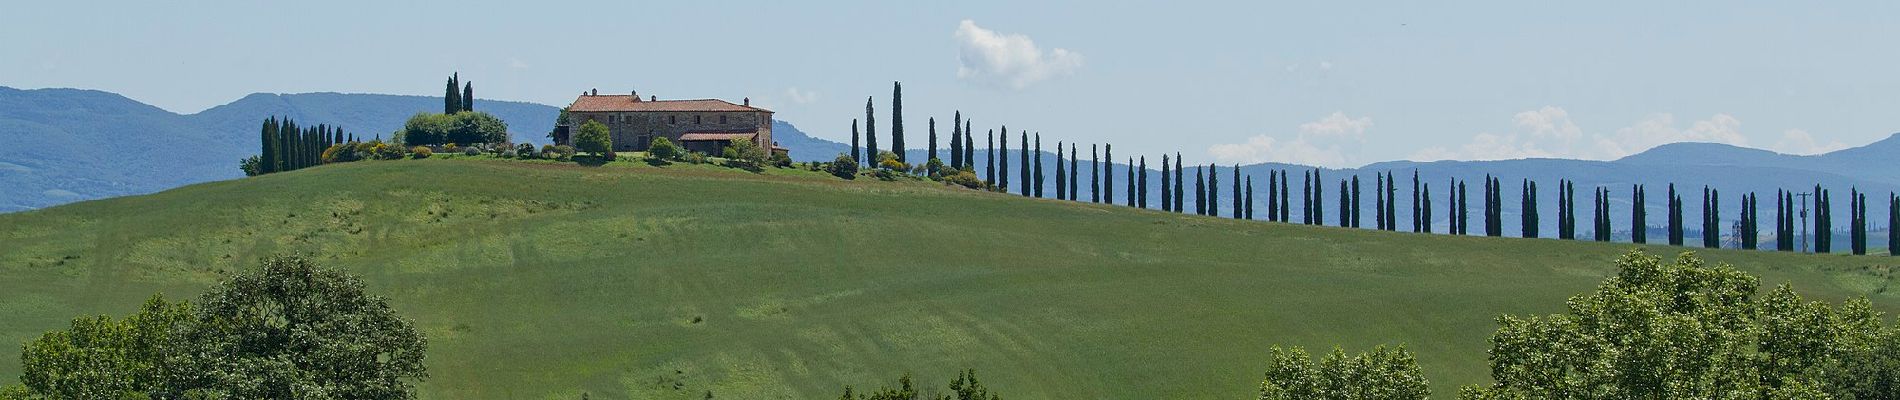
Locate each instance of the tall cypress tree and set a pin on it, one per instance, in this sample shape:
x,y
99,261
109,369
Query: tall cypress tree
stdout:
x,y
1002,160
1062,176
856,152
1306,197
969,148
1858,232
1040,178
1379,206
1355,201
1239,208
931,147
468,96
1128,197
956,143
1563,210
1464,210
1143,201
1179,204
1893,220
1095,175
1273,196
452,96
1249,213
1391,202
1167,200
1345,203
1028,178
1213,190
1108,174
1639,214
1074,193
1781,229
989,157
1200,192
1319,199
1415,203
870,133
1426,196
1526,210
897,122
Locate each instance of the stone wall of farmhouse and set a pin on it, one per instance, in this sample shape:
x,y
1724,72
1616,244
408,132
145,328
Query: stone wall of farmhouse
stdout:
x,y
633,131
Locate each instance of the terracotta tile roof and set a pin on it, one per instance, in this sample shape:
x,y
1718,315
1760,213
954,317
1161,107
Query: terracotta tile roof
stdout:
x,y
628,103
693,137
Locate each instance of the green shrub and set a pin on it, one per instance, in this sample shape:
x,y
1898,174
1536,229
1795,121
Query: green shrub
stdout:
x,y
564,152
664,150
843,167
965,179
593,138
471,151
421,152
526,150
249,166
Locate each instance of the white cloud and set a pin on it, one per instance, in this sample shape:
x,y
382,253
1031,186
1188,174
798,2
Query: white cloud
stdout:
x,y
1324,143
1797,141
1549,132
1660,129
801,96
1010,60
1338,124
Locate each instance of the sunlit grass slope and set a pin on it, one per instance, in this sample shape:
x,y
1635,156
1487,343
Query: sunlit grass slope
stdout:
x,y
544,281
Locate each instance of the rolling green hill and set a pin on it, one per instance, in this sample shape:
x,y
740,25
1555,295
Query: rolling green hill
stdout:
x,y
537,280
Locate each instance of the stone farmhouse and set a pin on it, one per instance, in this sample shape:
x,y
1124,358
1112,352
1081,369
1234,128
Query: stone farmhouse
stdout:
x,y
705,125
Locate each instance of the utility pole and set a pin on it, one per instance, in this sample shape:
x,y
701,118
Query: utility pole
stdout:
x,y
1804,220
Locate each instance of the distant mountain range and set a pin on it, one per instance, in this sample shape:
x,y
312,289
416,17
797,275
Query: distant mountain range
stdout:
x,y
69,145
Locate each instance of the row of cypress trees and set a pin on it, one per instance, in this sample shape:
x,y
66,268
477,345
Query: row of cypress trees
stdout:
x,y
285,146
1030,182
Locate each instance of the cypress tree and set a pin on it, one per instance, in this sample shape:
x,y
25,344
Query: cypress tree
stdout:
x,y
1040,177
931,147
1273,195
1675,217
857,153
1824,224
1129,196
1319,198
897,123
1415,203
1143,201
989,156
1526,210
1095,175
1167,200
1240,208
956,144
1029,178
1074,193
1781,230
1859,204
468,96
1213,190
452,96
1002,160
1426,209
1249,214
1285,198
1893,220
1563,214
267,144
1378,207
1306,197
1179,206
969,148
1345,203
1108,174
1464,210
1200,192
1391,202
870,133
1062,177
1355,201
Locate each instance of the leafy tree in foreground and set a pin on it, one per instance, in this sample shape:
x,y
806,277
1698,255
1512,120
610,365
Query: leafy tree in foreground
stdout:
x,y
1382,374
1702,335
286,330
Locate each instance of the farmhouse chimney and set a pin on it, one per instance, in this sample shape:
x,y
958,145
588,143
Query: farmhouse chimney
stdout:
x,y
596,92
653,98
748,102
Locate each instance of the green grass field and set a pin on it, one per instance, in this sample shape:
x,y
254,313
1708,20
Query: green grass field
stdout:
x,y
541,280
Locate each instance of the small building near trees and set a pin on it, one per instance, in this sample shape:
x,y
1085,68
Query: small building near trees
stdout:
x,y
703,125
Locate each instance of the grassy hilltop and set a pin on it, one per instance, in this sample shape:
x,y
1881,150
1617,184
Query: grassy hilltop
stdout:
x,y
537,280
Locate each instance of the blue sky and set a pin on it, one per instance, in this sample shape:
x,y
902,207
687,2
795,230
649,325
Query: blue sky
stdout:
x,y
1336,84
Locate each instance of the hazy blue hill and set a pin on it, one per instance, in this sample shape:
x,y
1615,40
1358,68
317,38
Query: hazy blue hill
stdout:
x,y
803,146
67,145
71,145
1690,153
367,115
